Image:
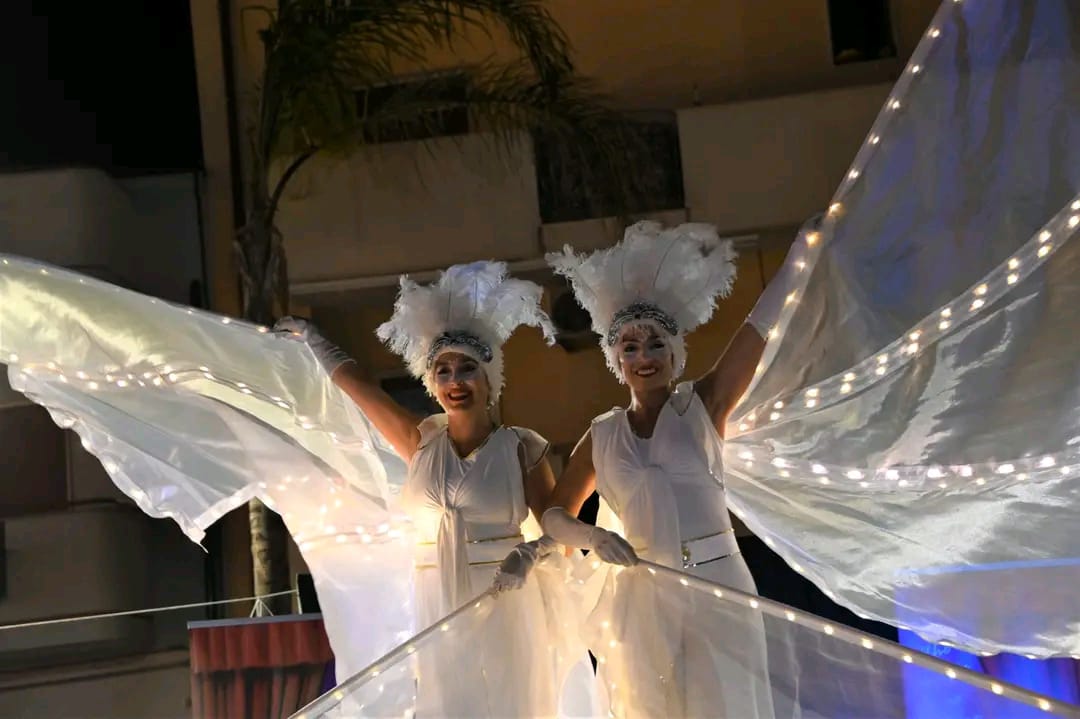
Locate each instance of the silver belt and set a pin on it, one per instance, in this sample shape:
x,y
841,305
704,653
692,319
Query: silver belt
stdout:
x,y
710,548
482,552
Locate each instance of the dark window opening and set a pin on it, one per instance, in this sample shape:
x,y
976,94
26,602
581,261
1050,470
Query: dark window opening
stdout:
x,y
861,31
570,190
416,109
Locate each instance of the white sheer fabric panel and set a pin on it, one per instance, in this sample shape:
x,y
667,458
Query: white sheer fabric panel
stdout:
x,y
911,444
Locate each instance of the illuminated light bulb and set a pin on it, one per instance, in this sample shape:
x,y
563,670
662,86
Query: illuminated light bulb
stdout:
x,y
1044,236
912,348
13,358
62,378
867,644
946,312
779,462
828,629
874,139
1005,469
813,392
746,454
1045,705
225,320
1047,462
801,265
854,174
1074,221
774,416
341,539
812,237
916,69
743,426
208,376
613,644
337,503
944,325
110,467
894,105
854,474
845,388
977,304
790,616
784,473
892,474
951,674
1044,251
754,604
980,481
685,582
121,383
811,403
778,405
996,688
1021,477
980,290
902,483
789,299
798,568
87,444
1014,263
864,485
849,377
1065,470
44,271
365,538
824,480
966,471
819,469
943,485
914,336
1012,278
934,32
935,473
1075,205
908,659
92,385
834,209
882,359
52,366
879,371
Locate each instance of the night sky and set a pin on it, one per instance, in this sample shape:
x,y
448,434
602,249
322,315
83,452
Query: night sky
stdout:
x,y
105,84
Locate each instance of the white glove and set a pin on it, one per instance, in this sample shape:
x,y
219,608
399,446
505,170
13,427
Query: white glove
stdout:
x,y
329,355
561,526
515,568
771,302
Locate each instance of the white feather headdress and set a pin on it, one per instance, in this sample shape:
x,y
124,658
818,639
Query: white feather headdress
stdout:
x,y
666,277
472,309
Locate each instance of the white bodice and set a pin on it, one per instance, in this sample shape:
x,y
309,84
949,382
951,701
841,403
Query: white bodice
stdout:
x,y
668,488
455,501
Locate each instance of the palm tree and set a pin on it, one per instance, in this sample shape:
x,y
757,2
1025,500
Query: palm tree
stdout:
x,y
329,85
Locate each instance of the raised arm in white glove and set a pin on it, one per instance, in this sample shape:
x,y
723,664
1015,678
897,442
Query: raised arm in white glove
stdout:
x,y
330,356
515,568
566,529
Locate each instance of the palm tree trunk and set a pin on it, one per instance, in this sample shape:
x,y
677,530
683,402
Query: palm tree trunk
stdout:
x,y
263,279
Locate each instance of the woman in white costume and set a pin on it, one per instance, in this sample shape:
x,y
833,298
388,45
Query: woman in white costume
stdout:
x,y
471,484
658,465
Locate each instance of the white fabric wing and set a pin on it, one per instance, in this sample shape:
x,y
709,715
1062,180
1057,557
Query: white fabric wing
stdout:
x,y
911,443
193,414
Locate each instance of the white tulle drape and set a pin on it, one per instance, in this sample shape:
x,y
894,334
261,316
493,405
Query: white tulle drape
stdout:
x,y
911,444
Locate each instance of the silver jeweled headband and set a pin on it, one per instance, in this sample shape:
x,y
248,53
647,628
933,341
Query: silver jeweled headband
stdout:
x,y
459,339
640,311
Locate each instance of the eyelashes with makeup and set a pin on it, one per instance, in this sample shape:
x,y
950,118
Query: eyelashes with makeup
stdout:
x,y
445,375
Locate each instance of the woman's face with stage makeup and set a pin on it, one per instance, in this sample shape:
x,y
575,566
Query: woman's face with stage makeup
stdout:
x,y
645,357
460,382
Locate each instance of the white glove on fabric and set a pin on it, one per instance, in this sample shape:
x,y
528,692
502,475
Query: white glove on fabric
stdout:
x,y
771,302
330,356
515,568
561,526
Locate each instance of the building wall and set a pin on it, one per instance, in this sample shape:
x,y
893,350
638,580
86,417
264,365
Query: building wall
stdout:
x,y
156,685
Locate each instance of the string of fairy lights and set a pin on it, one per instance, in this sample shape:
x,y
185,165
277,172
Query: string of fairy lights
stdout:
x,y
369,684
